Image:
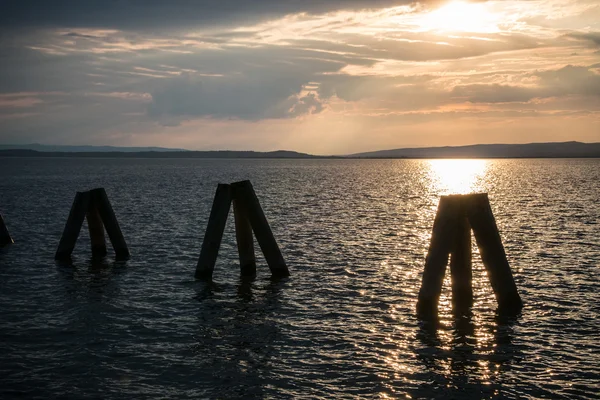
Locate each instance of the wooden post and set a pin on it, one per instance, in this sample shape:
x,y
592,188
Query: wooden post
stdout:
x,y
73,227
96,229
245,240
461,264
5,238
492,253
247,200
105,210
214,232
444,228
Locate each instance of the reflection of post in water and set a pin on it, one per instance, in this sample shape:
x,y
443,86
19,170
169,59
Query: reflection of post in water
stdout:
x,y
428,333
93,278
456,216
463,345
504,349
241,334
464,330
467,361
244,290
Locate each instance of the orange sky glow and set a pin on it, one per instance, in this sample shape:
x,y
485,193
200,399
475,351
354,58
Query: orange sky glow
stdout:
x,y
324,81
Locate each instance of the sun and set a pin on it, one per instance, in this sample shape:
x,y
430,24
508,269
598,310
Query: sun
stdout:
x,y
461,16
458,176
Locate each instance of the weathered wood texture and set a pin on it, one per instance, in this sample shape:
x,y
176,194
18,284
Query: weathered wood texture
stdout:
x,y
444,230
247,200
214,232
96,229
107,214
461,265
245,240
5,238
77,214
492,252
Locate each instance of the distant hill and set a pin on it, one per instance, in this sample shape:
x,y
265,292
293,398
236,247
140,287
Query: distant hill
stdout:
x,y
156,154
79,149
531,150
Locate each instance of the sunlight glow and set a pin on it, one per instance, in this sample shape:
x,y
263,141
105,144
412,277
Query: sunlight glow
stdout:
x,y
461,16
458,176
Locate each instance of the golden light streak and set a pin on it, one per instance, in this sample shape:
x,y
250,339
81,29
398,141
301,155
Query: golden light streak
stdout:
x,y
458,176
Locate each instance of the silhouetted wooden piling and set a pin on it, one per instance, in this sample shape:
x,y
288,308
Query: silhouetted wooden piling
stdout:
x,y
77,214
247,200
95,207
245,240
214,232
5,238
96,229
492,252
451,235
107,214
461,265
444,229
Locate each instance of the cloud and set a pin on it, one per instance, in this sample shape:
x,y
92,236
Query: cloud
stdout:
x,y
493,93
592,37
252,97
567,81
157,15
571,80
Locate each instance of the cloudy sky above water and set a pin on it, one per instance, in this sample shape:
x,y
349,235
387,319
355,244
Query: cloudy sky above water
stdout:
x,y
331,77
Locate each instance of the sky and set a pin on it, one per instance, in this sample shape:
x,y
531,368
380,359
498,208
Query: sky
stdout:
x,y
334,77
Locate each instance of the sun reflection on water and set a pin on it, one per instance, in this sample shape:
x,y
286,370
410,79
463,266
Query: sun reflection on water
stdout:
x,y
463,351
458,176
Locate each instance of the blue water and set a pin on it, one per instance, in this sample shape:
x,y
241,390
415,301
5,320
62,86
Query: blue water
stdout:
x,y
354,234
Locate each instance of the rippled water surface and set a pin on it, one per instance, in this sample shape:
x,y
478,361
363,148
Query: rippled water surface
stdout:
x,y
354,234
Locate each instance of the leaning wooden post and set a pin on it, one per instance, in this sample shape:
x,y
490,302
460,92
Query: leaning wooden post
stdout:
x,y
107,214
247,200
96,229
492,253
245,240
214,232
437,256
5,238
461,263
73,227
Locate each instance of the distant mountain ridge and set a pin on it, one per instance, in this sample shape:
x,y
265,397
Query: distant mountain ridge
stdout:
x,y
158,154
80,149
529,150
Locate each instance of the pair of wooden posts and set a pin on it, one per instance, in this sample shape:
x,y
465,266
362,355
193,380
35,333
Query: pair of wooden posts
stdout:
x,y
96,209
5,238
451,238
248,217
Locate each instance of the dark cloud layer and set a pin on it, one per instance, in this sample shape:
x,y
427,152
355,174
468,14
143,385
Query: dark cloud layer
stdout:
x,y
160,14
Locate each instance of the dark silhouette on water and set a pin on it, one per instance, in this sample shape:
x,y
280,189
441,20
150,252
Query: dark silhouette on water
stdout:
x,y
456,216
249,217
95,207
5,238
